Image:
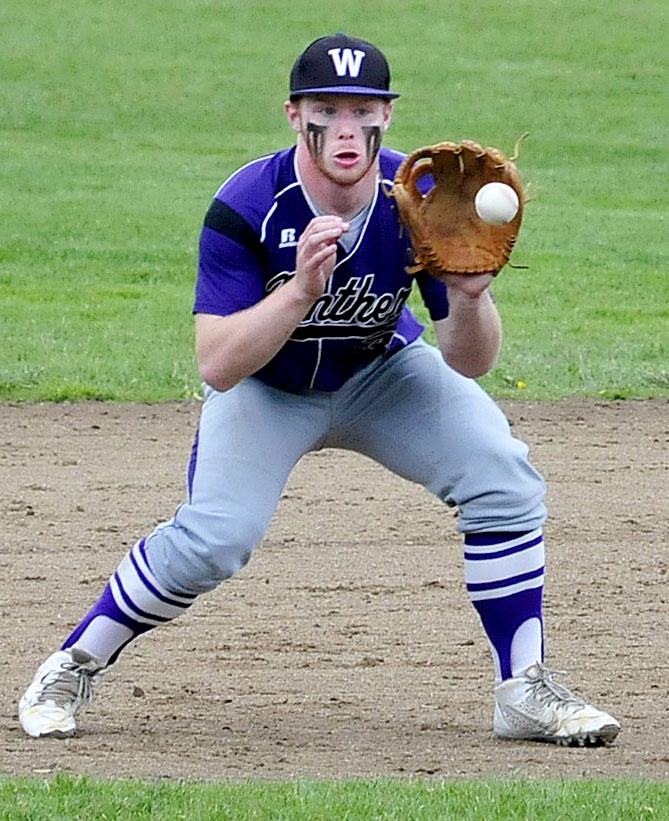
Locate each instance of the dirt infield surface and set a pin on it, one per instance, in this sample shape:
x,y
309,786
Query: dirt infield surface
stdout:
x,y
347,647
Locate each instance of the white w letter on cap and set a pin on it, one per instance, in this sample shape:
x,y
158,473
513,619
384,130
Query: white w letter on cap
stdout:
x,y
346,61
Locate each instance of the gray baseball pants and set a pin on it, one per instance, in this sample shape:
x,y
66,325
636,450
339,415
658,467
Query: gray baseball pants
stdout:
x,y
410,412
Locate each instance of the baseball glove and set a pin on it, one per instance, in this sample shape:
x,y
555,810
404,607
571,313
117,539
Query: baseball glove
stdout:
x,y
447,235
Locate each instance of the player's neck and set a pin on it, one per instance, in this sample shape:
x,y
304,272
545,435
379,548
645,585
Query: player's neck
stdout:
x,y
329,196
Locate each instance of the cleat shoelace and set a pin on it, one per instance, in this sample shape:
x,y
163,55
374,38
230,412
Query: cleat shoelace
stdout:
x,y
69,687
547,691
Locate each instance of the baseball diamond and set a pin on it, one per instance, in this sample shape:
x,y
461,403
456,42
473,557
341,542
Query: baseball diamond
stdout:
x,y
346,647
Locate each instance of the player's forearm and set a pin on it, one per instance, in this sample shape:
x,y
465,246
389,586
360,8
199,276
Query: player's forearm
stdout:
x,y
470,337
230,348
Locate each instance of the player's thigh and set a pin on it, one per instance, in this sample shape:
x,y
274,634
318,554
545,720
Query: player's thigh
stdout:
x,y
433,426
248,441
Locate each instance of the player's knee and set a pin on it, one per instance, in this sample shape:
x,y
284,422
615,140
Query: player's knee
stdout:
x,y
499,488
196,552
517,505
523,489
522,504
229,546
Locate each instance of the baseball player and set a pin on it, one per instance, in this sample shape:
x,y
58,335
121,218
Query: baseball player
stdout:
x,y
304,341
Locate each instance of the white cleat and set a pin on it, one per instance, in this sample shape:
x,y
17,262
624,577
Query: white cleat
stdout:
x,y
61,687
534,707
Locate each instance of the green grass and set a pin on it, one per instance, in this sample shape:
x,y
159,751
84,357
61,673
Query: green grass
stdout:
x,y
120,120
67,798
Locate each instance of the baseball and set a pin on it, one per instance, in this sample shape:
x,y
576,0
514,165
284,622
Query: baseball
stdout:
x,y
496,203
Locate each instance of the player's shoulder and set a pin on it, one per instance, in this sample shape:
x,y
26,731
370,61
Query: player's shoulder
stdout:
x,y
252,189
261,172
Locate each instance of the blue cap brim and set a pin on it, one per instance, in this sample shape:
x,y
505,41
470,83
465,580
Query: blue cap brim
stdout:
x,y
363,91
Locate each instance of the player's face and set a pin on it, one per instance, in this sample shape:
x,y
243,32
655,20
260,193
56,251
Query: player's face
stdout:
x,y
342,133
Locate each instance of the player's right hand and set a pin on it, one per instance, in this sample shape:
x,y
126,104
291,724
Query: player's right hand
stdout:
x,y
317,253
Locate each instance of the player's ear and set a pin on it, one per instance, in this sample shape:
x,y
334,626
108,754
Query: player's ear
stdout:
x,y
293,114
387,116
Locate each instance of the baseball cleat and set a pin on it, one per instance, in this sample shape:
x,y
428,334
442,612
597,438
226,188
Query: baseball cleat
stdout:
x,y
61,687
534,707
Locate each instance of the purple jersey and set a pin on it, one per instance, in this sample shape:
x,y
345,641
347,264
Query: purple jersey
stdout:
x,y
247,250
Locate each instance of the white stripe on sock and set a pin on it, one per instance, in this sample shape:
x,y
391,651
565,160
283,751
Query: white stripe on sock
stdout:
x,y
499,592
146,570
140,595
479,571
495,548
130,612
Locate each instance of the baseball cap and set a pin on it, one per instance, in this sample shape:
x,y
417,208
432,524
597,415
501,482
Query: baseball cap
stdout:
x,y
340,64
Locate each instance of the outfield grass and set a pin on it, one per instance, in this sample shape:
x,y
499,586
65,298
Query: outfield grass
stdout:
x,y
120,121
66,798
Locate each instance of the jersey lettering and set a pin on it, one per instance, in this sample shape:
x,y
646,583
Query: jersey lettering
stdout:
x,y
352,304
346,61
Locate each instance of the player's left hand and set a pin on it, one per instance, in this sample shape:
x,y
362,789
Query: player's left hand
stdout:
x,y
448,232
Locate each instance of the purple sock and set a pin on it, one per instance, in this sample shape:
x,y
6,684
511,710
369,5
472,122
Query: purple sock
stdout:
x,y
106,607
132,603
505,575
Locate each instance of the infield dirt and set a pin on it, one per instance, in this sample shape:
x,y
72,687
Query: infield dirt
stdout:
x,y
347,647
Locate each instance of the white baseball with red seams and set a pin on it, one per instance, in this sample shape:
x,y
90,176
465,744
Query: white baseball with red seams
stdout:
x,y
496,203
